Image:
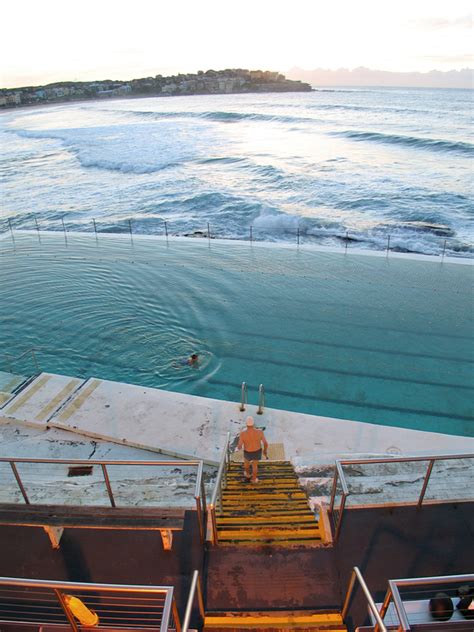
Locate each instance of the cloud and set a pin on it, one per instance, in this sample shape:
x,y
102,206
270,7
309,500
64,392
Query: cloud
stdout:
x,y
466,58
461,22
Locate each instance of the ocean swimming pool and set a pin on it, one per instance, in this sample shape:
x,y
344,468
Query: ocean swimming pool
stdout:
x,y
380,339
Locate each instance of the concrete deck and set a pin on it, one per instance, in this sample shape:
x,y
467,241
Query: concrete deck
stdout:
x,y
36,403
187,426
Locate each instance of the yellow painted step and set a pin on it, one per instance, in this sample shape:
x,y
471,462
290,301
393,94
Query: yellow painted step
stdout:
x,y
269,533
263,494
274,620
270,519
267,508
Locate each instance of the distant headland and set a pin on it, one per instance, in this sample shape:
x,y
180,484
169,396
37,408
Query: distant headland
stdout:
x,y
232,81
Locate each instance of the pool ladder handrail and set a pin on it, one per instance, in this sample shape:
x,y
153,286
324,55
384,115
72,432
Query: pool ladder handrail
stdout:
x,y
243,396
261,399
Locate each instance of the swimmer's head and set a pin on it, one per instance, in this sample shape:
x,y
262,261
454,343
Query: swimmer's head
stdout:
x,y
194,356
250,422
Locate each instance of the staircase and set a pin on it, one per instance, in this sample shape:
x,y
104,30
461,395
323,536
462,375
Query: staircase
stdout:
x,y
284,620
274,511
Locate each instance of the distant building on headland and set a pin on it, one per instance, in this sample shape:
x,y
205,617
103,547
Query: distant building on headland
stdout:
x,y
209,82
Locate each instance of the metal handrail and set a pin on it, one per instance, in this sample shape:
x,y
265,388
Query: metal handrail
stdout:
x,y
393,593
339,476
10,358
243,396
356,574
261,399
193,591
58,588
199,491
221,480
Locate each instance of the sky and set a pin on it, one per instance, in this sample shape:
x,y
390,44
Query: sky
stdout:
x,y
43,41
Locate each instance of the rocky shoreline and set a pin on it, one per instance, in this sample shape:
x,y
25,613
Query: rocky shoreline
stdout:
x,y
232,81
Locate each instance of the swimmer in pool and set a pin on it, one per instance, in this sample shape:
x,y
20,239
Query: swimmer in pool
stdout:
x,y
191,361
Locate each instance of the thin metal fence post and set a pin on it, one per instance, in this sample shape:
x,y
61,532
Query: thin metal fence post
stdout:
x,y
425,483
67,612
64,227
341,513
334,490
130,227
10,225
208,232
166,229
251,237
347,239
95,227
20,484
444,248
177,622
298,236
349,590
107,484
203,496
388,243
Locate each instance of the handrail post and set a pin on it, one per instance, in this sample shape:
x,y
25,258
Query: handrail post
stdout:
x,y
356,574
345,494
67,612
107,484
199,496
177,622
349,590
334,490
399,607
166,229
425,483
385,605
261,399
243,396
193,591
19,481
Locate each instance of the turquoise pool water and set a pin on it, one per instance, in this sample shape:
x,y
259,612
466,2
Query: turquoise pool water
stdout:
x,y
378,339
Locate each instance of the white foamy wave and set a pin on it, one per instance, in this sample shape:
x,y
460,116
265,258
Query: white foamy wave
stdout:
x,y
127,148
277,222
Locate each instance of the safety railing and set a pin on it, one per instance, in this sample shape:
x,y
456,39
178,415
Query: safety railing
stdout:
x,y
386,242
86,605
341,492
357,575
411,601
195,594
220,484
11,360
103,465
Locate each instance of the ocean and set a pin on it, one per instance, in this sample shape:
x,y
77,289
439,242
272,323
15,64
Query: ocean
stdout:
x,y
332,167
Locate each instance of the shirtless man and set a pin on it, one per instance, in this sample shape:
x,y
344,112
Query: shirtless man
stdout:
x,y
251,440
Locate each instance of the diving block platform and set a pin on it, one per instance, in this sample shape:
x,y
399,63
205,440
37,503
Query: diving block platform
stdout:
x,y
40,399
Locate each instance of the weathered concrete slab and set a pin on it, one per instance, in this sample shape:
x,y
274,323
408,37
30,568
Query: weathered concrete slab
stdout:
x,y
195,427
132,485
36,403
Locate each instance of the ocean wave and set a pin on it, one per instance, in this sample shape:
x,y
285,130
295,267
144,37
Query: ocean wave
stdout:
x,y
434,144
220,116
